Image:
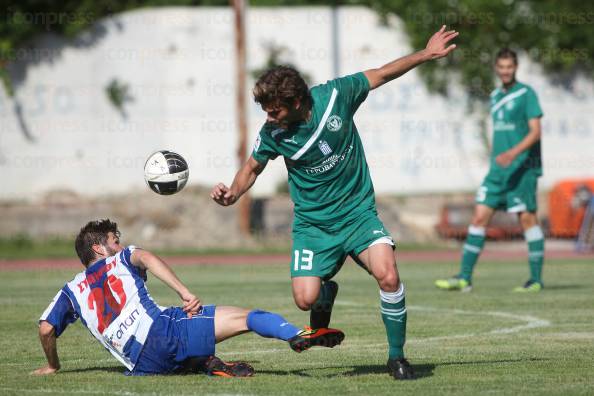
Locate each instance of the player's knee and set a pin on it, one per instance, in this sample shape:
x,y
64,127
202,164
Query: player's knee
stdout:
x,y
388,279
304,302
480,220
390,282
45,329
528,220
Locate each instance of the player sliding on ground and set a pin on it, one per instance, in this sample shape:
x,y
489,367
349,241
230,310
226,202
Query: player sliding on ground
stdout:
x,y
335,213
112,301
511,182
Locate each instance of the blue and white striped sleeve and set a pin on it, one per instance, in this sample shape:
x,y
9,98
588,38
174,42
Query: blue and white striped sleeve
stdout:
x,y
126,255
60,313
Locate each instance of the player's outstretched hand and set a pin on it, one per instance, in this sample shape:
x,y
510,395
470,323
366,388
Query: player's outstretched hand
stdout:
x,y
437,46
222,195
191,304
45,371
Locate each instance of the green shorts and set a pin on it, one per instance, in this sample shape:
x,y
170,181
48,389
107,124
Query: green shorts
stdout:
x,y
319,253
515,195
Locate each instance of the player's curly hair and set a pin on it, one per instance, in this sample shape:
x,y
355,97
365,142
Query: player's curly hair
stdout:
x,y
506,53
93,233
281,85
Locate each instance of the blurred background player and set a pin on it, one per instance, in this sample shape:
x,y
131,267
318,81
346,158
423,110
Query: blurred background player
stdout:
x,y
111,299
511,182
335,213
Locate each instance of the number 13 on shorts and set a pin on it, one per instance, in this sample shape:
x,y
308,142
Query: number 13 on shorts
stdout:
x,y
303,260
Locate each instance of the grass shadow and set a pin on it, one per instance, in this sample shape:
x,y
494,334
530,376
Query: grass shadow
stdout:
x,y
421,370
564,287
109,369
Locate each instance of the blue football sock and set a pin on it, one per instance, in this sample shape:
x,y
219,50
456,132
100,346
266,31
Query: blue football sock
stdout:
x,y
270,325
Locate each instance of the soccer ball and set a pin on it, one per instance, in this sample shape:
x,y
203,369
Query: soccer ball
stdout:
x,y
166,172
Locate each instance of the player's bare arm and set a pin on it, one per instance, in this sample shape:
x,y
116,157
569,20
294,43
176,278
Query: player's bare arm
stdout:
x,y
47,336
147,260
244,179
437,47
506,158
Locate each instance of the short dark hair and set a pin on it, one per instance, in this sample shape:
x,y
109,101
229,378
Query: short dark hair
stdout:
x,y
93,233
506,53
281,85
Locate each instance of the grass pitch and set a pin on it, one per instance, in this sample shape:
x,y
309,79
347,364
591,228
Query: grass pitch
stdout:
x,y
490,341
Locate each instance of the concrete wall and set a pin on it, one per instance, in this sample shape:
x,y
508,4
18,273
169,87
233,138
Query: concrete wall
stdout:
x,y
179,65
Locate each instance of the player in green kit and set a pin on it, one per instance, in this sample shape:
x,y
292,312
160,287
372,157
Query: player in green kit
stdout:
x,y
335,214
513,174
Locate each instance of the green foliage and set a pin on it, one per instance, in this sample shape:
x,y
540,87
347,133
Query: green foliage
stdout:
x,y
118,94
24,20
557,34
277,55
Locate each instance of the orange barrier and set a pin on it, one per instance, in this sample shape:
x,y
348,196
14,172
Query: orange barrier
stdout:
x,y
567,204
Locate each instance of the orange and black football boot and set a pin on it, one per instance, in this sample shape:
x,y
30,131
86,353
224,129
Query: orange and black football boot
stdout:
x,y
309,337
216,367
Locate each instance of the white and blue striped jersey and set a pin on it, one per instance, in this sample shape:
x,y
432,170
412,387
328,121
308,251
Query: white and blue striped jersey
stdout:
x,y
112,301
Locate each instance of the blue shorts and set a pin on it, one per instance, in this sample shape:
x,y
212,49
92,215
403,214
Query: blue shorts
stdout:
x,y
174,338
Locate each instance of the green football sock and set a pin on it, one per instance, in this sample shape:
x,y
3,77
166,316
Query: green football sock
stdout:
x,y
393,309
471,251
535,239
321,310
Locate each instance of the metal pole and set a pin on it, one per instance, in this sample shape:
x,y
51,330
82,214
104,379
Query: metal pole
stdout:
x,y
335,40
239,7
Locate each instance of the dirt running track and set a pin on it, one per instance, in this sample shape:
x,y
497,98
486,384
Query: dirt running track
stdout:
x,y
402,257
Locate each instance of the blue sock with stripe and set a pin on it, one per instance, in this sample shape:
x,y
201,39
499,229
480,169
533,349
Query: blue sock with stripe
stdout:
x,y
393,310
270,325
473,246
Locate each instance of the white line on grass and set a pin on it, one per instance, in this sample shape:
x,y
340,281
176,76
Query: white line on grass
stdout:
x,y
531,322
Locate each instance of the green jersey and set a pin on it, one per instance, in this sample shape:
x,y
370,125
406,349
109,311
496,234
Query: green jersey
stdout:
x,y
329,178
511,110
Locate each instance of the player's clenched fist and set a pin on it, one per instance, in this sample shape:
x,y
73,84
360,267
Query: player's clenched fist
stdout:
x,y
191,304
222,195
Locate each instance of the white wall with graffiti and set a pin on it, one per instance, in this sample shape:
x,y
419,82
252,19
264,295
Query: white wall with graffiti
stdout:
x,y
175,69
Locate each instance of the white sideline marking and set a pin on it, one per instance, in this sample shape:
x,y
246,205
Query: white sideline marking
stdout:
x,y
531,322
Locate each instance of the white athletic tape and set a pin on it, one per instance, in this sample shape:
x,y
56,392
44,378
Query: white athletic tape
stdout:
x,y
392,297
474,230
533,234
